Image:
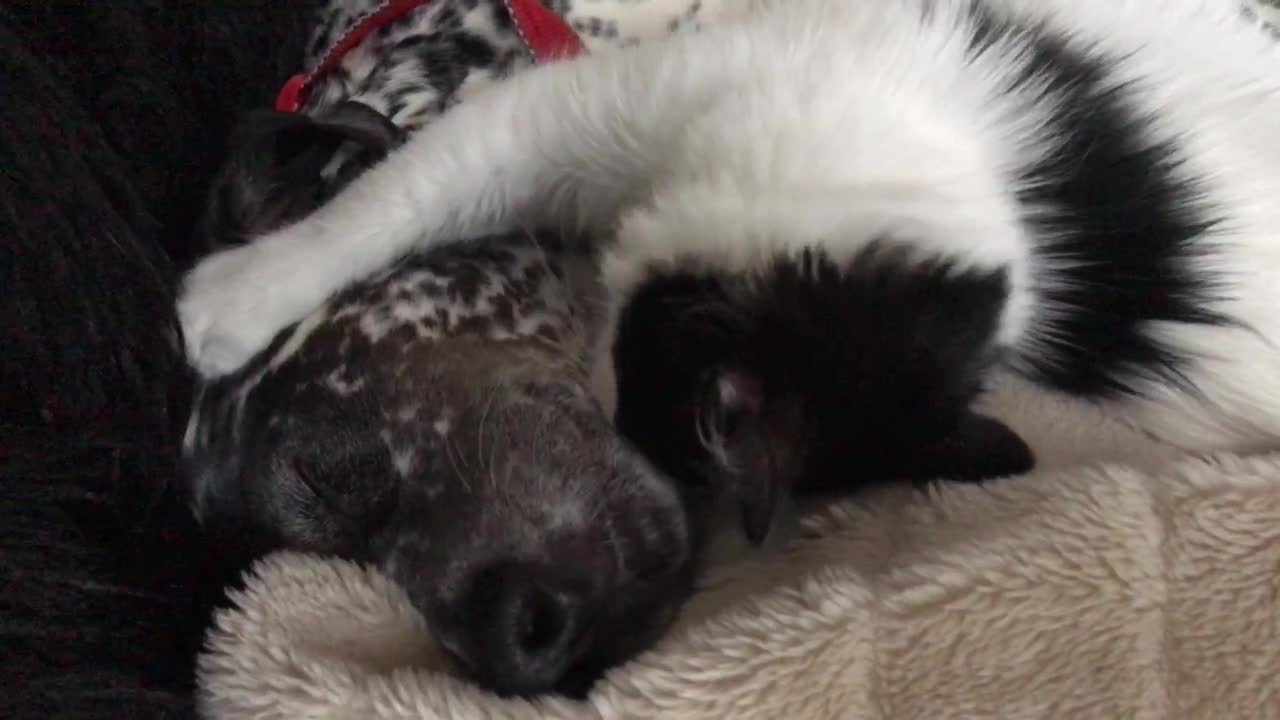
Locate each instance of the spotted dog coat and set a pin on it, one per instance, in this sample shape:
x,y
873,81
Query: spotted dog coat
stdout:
x,y
504,300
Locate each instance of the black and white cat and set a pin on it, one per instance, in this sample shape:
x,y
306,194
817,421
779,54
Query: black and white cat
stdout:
x,y
833,218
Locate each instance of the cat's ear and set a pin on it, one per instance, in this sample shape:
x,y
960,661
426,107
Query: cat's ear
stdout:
x,y
284,165
747,449
978,448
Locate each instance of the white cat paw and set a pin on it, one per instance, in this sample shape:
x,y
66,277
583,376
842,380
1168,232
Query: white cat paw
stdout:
x,y
230,307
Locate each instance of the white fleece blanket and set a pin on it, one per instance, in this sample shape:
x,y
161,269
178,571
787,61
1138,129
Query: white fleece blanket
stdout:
x,y
1147,587
1118,580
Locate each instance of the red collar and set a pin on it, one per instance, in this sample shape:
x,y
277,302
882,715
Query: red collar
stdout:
x,y
546,34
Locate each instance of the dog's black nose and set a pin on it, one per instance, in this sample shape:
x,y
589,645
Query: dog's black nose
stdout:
x,y
526,628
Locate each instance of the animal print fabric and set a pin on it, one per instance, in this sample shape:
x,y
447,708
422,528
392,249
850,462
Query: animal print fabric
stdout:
x,y
1265,13
416,67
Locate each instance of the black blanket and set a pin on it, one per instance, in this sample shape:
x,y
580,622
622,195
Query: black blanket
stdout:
x,y
113,118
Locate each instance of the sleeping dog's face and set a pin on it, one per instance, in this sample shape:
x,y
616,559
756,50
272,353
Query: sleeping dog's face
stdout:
x,y
428,422
434,422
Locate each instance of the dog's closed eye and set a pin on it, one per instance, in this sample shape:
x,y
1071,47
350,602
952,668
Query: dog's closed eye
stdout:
x,y
358,488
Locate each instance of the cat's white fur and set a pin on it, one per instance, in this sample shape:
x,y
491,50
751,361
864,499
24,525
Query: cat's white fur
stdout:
x,y
813,122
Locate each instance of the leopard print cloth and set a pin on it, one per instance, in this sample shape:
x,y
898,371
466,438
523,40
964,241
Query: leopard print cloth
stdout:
x,y
1265,12
416,67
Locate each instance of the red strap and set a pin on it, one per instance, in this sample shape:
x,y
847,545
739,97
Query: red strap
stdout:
x,y
290,97
546,34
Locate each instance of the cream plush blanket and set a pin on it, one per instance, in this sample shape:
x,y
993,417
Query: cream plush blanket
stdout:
x,y
1119,580
1136,584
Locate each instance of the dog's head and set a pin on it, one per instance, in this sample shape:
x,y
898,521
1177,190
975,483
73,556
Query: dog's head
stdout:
x,y
434,421
804,375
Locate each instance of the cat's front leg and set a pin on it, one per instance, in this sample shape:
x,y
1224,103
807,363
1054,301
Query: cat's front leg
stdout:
x,y
236,301
560,146
215,291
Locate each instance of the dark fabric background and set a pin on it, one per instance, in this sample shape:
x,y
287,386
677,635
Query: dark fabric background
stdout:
x,y
113,117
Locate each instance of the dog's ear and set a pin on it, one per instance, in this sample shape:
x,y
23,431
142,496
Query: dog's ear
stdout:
x,y
979,448
211,487
284,165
